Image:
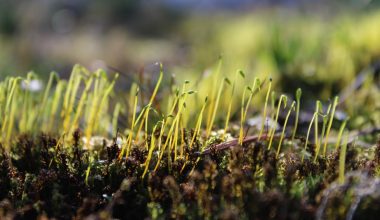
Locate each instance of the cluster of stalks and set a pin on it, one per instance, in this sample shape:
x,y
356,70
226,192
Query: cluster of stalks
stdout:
x,y
88,100
167,162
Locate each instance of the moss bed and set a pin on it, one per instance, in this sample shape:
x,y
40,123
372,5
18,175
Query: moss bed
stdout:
x,y
238,182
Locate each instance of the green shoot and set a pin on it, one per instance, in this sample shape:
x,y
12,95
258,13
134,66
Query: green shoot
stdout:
x,y
151,148
341,130
318,107
244,110
198,125
324,120
284,127
215,108
283,99
239,72
55,105
298,100
265,109
342,160
214,94
78,113
145,117
115,116
308,134
336,100
170,133
91,159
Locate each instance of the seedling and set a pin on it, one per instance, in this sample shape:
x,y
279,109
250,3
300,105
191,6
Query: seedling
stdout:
x,y
283,100
215,107
318,109
342,160
230,102
308,134
145,116
128,143
284,127
215,95
298,100
341,130
265,109
336,101
151,148
245,106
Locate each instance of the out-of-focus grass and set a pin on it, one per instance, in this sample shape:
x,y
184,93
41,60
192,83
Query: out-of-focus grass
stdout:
x,y
306,48
320,54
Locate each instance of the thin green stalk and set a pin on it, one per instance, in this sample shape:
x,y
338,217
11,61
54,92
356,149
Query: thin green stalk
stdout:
x,y
198,124
341,130
214,93
283,129
298,100
244,112
265,109
55,105
115,117
151,99
318,106
170,133
215,108
78,113
229,105
336,101
283,99
151,149
308,134
342,160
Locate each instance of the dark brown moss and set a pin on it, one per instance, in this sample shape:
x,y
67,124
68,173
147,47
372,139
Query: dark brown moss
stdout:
x,y
242,182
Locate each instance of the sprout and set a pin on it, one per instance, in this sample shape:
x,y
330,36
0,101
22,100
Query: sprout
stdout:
x,y
283,99
298,100
283,129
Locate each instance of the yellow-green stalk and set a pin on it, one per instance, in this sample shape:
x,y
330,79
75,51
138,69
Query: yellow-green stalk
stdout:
x,y
244,110
170,133
9,110
151,148
318,107
229,107
283,129
215,108
336,100
341,130
115,117
151,99
308,134
283,99
298,100
198,124
127,145
70,96
55,105
98,105
265,109
43,106
342,160
81,103
214,93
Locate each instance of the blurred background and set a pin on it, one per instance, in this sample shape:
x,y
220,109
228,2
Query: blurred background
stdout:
x,y
320,46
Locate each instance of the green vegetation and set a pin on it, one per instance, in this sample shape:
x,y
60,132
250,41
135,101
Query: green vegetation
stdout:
x,y
164,163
